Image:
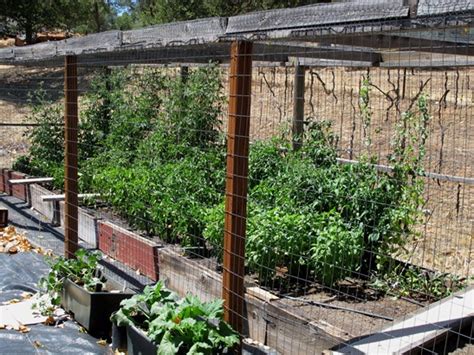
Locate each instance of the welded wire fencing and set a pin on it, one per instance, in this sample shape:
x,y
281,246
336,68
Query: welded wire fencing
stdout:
x,y
317,176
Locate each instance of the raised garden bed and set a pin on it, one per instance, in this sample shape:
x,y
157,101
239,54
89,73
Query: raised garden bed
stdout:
x,y
306,319
18,191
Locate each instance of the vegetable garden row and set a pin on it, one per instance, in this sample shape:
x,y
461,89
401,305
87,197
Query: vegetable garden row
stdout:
x,y
150,142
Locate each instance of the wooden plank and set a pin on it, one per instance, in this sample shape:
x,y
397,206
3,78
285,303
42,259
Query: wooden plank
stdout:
x,y
435,63
28,181
280,52
96,42
399,43
287,332
40,50
184,275
192,53
298,107
240,83
7,54
70,157
62,197
418,329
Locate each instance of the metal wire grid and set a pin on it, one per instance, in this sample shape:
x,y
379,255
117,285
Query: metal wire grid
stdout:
x,y
331,93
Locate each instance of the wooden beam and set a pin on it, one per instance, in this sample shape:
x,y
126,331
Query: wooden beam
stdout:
x,y
240,82
399,43
426,326
298,107
427,174
70,157
280,52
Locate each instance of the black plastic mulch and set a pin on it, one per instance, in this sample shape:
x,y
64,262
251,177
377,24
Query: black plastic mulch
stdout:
x,y
21,272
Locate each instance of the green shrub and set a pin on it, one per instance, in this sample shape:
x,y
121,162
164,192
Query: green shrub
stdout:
x,y
164,162
311,216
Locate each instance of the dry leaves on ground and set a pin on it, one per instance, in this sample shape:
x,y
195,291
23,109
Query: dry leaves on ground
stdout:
x,y
12,242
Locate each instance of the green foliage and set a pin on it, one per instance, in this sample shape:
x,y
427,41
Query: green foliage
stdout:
x,y
150,12
193,108
414,282
141,308
365,109
150,145
177,326
309,215
301,244
163,184
167,199
82,270
46,154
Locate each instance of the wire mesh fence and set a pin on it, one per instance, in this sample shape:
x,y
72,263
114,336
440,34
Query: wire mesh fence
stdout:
x,y
315,173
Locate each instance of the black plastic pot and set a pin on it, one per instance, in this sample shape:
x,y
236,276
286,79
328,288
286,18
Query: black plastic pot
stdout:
x,y
138,343
92,310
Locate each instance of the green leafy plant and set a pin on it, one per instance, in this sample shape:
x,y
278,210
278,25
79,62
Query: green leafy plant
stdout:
x,y
177,326
46,154
414,282
164,184
83,270
312,217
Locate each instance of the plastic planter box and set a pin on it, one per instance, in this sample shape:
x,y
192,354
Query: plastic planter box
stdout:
x,y
138,343
92,310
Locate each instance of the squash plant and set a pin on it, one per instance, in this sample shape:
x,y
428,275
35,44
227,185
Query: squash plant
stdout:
x,y
177,326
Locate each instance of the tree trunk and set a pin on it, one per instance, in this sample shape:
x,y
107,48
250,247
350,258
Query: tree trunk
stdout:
x,y
97,16
29,33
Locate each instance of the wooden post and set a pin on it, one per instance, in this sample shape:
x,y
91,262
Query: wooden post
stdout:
x,y
298,107
413,4
240,80
70,157
184,72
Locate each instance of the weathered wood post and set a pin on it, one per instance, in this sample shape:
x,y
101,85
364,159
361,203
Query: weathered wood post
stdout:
x,y
298,107
70,157
184,72
240,80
